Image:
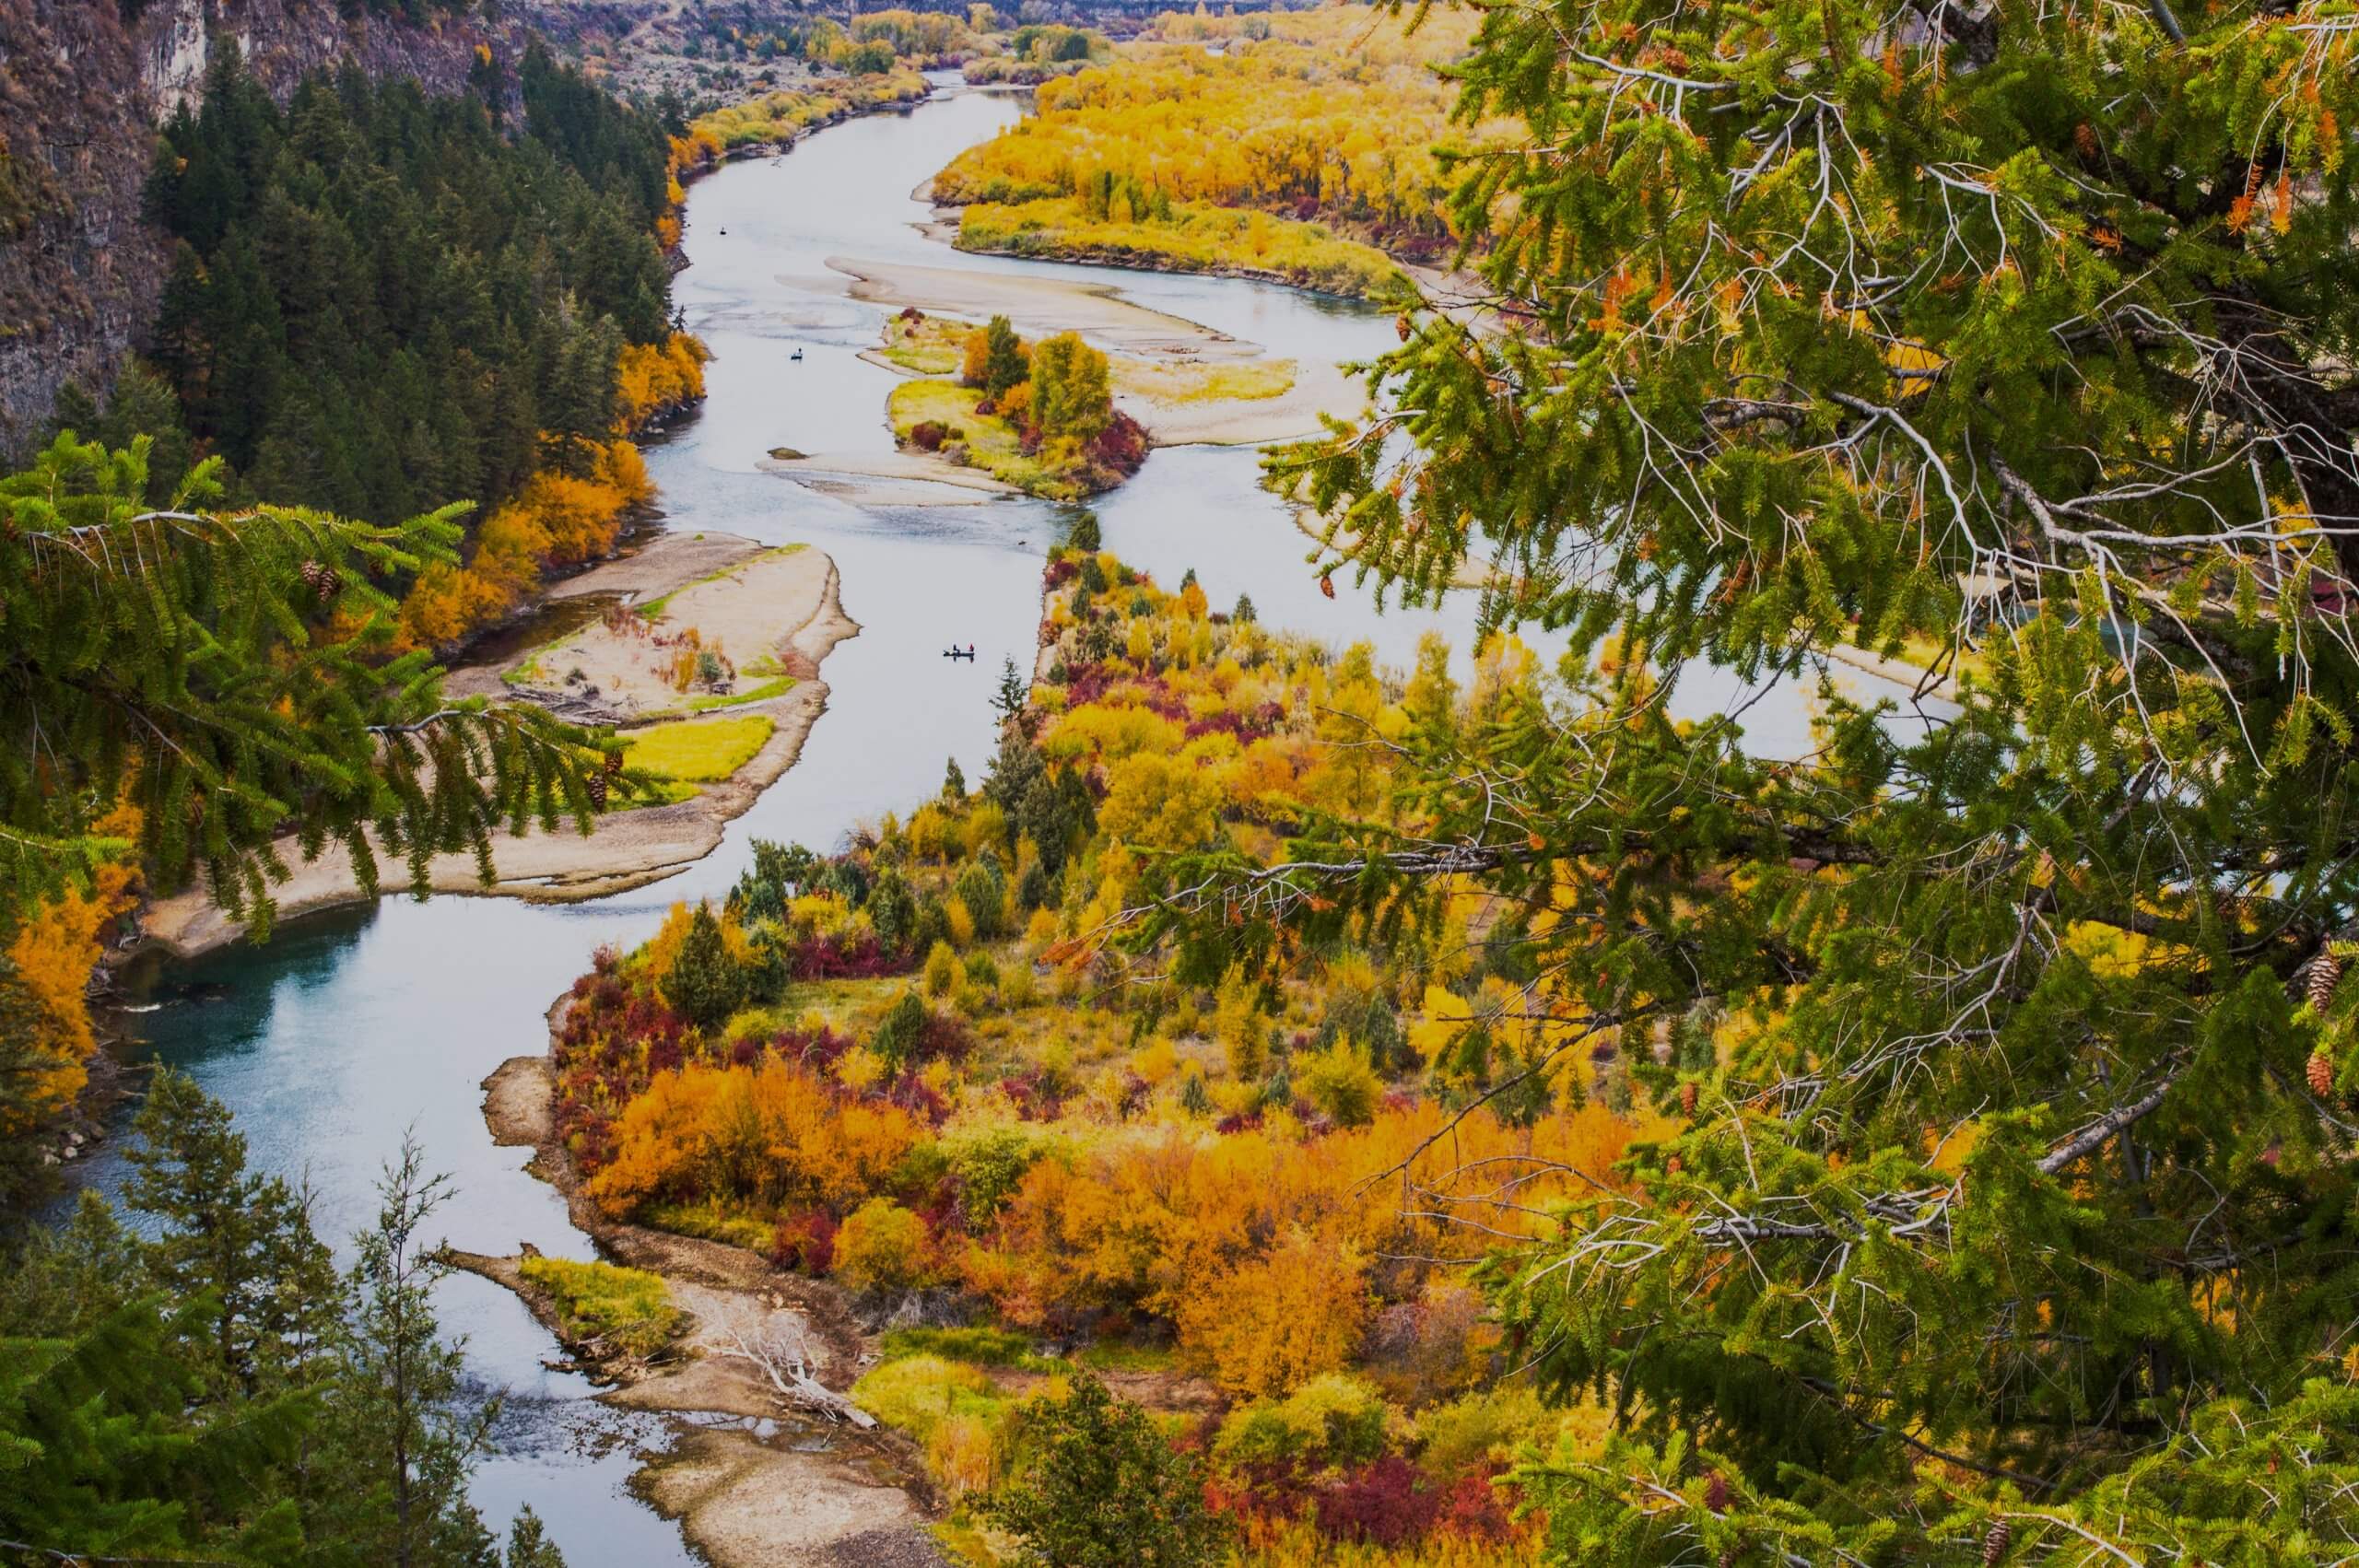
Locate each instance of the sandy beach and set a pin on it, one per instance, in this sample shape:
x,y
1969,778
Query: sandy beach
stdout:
x,y
787,603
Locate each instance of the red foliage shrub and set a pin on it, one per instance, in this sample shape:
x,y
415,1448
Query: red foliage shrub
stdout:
x,y
1061,570
806,1241
927,435
1383,1502
1121,446
1473,1509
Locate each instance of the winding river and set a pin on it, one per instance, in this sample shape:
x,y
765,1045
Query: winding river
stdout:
x,y
351,1028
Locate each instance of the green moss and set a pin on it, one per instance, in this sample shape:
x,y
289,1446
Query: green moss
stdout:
x,y
628,1309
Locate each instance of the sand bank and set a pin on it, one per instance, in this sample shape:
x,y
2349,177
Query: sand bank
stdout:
x,y
629,848
1036,306
897,479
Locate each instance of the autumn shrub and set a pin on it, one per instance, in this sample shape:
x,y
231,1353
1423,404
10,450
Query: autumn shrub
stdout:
x,y
773,1135
1276,1320
1341,1083
1330,1421
882,1246
806,1241
1481,1430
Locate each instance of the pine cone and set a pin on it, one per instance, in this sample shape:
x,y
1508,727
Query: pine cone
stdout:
x,y
1995,1544
2320,1072
2326,973
1715,1492
596,786
1687,1099
1401,325
1327,584
614,765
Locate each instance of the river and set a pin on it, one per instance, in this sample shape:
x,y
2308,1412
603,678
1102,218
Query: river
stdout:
x,y
350,1029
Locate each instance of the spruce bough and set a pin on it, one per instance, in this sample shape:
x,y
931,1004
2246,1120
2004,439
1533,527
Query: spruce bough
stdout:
x,y
2007,1210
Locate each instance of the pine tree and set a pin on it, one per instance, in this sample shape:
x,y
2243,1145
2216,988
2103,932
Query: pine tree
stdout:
x,y
238,1238
706,983
1106,1490
2014,340
399,1433
1003,363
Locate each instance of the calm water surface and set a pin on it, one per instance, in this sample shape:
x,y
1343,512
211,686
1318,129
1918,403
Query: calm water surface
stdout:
x,y
350,1029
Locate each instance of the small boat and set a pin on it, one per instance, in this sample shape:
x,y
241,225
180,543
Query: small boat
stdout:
x,y
796,356
959,653
724,231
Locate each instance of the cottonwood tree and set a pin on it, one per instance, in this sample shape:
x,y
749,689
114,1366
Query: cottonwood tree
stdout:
x,y
2008,1214
226,671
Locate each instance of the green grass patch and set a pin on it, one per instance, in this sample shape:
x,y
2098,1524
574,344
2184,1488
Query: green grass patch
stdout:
x,y
654,608
778,686
699,751
975,1347
917,1394
1242,381
992,444
934,345
628,1309
1116,1356
708,1221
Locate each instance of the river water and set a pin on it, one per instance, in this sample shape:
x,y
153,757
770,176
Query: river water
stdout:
x,y
350,1029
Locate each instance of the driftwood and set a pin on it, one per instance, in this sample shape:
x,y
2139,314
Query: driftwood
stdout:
x,y
783,1358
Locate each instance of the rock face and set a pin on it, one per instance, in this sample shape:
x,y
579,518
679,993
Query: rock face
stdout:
x,y
83,84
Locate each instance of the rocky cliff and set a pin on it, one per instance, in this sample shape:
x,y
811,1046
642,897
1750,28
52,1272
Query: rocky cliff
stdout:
x,y
83,84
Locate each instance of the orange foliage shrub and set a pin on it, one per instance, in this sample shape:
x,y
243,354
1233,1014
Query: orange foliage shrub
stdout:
x,y
774,1135
52,954
1272,1324
654,378
1180,1221
556,519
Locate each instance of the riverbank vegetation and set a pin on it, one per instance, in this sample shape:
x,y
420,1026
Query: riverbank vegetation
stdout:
x,y
1039,416
196,1380
604,1309
1320,128
776,119
1110,224
923,1068
2009,1215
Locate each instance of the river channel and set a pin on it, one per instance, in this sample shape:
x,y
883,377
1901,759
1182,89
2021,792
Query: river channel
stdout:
x,y
348,1029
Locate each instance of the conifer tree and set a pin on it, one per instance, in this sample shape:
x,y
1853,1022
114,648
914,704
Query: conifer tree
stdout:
x,y
706,983
2004,1212
1105,1490
239,1238
1003,364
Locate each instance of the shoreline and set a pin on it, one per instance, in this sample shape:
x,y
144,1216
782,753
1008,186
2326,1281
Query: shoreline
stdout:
x,y
629,848
812,1490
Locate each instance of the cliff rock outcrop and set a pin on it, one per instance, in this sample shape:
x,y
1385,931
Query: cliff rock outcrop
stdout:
x,y
83,84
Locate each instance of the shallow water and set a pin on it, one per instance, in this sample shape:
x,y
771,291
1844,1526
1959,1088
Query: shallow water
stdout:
x,y
350,1029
